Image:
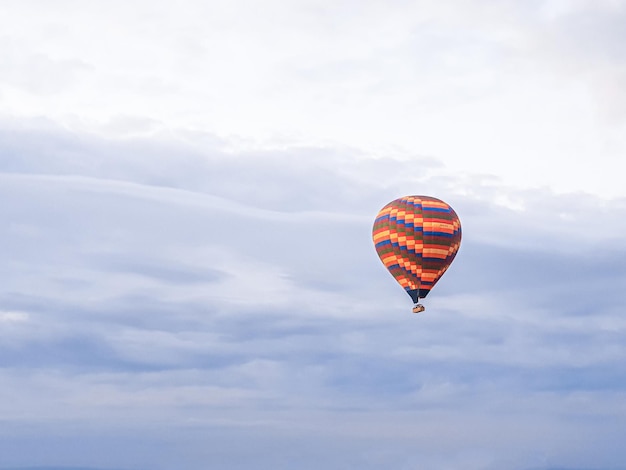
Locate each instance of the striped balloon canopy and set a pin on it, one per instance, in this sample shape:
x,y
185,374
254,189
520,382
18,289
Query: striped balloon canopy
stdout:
x,y
416,238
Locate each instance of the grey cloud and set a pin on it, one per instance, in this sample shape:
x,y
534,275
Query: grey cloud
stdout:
x,y
160,272
324,177
155,296
56,468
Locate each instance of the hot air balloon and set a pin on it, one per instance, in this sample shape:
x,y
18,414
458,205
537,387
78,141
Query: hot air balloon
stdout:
x,y
416,238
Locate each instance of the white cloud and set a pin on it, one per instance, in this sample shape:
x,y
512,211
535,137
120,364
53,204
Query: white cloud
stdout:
x,y
496,88
11,317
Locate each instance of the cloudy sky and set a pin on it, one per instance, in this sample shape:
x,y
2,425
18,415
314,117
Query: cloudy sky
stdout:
x,y
187,276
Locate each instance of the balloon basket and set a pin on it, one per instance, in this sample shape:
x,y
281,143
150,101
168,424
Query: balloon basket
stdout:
x,y
418,308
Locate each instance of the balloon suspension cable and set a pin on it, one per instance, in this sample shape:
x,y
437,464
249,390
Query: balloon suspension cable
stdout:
x,y
418,308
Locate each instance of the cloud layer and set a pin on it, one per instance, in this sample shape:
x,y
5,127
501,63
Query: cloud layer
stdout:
x,y
187,306
528,91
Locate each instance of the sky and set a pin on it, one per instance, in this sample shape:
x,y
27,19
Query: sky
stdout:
x,y
188,278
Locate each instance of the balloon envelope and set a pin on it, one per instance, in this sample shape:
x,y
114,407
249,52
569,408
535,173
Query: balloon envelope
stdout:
x,y
416,238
